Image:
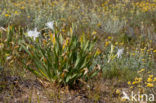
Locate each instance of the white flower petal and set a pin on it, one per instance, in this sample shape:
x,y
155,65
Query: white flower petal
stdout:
x,y
120,52
33,34
50,25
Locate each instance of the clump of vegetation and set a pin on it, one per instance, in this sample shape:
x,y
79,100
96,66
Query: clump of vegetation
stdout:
x,y
59,58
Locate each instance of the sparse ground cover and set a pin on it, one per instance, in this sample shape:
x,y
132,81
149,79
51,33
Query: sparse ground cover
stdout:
x,y
77,51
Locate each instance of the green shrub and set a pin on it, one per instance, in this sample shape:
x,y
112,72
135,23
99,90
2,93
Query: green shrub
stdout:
x,y
58,58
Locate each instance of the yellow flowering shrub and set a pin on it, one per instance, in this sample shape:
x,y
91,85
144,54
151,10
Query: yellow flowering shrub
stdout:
x,y
146,82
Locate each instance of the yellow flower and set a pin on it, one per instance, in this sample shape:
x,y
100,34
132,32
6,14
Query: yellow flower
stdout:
x,y
116,43
99,25
16,13
131,87
106,43
154,51
139,80
150,85
129,83
22,7
94,32
149,72
63,30
117,91
154,80
143,49
143,59
134,82
150,76
6,15
141,70
149,80
109,37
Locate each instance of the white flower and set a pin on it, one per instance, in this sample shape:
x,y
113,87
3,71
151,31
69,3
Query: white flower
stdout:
x,y
50,25
120,52
33,34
